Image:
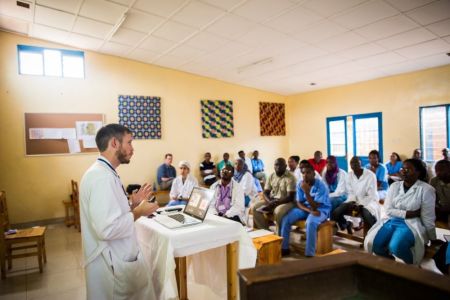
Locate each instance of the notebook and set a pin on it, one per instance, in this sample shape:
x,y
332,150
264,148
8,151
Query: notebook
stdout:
x,y
194,212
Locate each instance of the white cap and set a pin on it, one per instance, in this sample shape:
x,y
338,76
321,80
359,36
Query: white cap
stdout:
x,y
184,163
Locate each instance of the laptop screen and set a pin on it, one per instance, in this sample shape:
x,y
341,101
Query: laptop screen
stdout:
x,y
199,201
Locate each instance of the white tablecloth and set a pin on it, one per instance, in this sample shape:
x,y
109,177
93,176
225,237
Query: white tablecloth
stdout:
x,y
207,262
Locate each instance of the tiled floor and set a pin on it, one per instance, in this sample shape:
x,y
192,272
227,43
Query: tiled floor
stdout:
x,y
63,276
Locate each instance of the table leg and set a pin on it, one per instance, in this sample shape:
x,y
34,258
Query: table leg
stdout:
x,y
180,273
232,249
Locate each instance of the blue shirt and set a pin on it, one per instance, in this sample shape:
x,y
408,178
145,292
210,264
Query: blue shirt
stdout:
x,y
319,192
165,171
381,176
392,169
257,165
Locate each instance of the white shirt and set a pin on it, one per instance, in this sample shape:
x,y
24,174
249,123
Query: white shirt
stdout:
x,y
237,200
420,195
297,174
182,190
247,184
341,188
248,162
364,191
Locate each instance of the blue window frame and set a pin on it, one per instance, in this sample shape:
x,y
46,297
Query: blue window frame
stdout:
x,y
50,62
434,131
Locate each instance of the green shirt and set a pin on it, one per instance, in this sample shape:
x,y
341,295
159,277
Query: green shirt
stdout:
x,y
442,192
222,164
280,186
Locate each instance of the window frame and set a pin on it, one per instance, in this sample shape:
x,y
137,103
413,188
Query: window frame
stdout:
x,y
447,116
40,50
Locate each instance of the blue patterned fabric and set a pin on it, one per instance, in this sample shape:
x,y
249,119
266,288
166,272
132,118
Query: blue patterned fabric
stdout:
x,y
217,118
142,115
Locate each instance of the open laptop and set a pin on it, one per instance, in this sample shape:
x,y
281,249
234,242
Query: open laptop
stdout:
x,y
193,213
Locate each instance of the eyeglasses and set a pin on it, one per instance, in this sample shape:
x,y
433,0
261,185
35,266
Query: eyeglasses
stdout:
x,y
225,171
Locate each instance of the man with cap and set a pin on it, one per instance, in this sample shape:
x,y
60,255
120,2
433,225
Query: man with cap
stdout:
x,y
182,185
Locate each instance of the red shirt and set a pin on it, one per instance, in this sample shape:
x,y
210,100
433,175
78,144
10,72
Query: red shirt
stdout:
x,y
318,166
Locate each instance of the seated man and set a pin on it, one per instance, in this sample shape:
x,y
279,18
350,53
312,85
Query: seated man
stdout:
x,y
245,179
313,204
279,197
305,163
380,172
247,160
228,200
166,173
258,167
182,186
441,184
318,162
362,197
208,170
417,154
294,168
336,180
225,162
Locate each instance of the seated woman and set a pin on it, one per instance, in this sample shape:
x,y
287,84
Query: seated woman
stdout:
x,y
182,185
362,197
228,200
393,168
380,172
243,176
335,179
409,224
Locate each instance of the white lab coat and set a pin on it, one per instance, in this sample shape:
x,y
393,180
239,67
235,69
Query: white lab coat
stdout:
x,y
341,188
180,189
114,265
237,200
420,195
364,191
248,162
247,184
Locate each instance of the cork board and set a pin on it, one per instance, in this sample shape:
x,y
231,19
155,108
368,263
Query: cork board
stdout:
x,y
55,120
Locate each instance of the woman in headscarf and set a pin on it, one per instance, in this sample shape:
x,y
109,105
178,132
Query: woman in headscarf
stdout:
x,y
335,179
245,179
182,185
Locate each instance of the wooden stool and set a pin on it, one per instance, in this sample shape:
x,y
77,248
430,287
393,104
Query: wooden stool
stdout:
x,y
269,249
324,242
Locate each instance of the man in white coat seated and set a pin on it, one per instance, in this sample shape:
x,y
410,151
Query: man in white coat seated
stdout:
x,y
115,268
228,200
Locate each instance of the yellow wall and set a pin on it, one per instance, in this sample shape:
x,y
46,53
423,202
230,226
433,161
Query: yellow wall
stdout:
x,y
36,186
397,97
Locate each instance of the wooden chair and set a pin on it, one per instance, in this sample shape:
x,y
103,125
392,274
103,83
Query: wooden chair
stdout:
x,y
324,242
24,239
76,204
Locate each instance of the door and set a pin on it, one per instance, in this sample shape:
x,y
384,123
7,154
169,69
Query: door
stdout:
x,y
337,140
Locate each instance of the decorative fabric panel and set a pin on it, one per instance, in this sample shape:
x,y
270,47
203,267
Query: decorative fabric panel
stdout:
x,y
272,118
217,118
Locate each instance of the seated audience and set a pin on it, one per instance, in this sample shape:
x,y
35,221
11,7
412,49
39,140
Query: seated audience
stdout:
x,y
225,162
417,154
278,197
293,166
166,173
336,181
445,156
305,163
442,258
208,170
318,162
362,197
243,176
228,200
380,172
313,205
247,160
393,168
258,167
183,185
441,184
409,223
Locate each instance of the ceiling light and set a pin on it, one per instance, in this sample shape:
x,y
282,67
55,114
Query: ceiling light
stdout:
x,y
116,27
255,64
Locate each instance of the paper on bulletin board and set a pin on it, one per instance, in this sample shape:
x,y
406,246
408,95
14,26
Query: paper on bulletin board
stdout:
x,y
87,129
74,146
89,142
52,133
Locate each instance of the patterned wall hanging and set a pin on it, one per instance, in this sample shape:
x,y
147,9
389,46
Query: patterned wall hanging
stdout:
x,y
272,118
217,118
141,114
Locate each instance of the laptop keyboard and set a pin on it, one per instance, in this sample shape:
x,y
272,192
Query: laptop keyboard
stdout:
x,y
178,217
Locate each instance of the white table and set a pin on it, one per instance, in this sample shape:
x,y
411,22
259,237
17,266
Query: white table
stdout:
x,y
165,251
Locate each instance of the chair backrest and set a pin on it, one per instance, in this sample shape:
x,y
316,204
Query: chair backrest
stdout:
x,y
4,218
75,193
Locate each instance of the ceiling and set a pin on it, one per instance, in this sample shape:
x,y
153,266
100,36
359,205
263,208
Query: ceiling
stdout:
x,y
282,46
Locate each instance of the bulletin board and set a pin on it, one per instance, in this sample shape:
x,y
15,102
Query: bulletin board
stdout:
x,y
53,133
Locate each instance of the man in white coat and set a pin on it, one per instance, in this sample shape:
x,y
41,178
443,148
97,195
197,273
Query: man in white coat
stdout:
x,y
115,268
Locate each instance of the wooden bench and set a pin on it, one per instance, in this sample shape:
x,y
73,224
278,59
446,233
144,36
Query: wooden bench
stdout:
x,y
268,249
324,242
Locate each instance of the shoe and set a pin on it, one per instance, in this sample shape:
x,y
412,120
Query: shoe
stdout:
x,y
349,227
285,252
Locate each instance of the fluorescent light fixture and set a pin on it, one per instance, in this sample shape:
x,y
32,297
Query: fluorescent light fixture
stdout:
x,y
116,27
255,64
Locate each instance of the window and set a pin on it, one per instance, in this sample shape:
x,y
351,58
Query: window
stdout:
x,y
434,126
50,62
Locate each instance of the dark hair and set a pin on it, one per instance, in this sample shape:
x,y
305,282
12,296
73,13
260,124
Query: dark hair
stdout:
x,y
444,163
168,154
295,157
109,131
375,152
308,166
397,156
304,161
241,151
419,167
